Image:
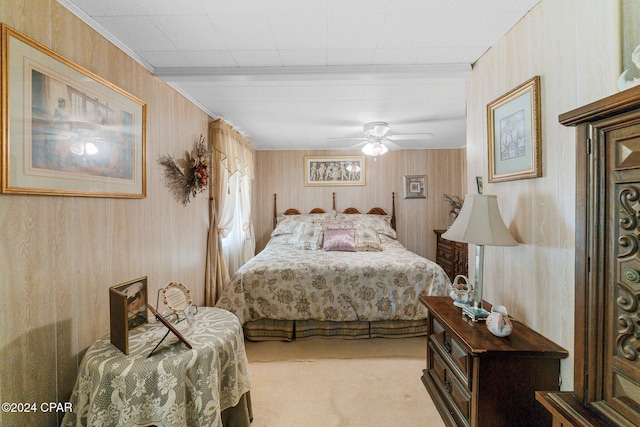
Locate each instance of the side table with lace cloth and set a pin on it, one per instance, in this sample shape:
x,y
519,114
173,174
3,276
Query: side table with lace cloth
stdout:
x,y
175,387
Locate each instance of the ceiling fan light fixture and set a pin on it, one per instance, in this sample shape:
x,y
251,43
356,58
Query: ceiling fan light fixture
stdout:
x,y
378,129
374,148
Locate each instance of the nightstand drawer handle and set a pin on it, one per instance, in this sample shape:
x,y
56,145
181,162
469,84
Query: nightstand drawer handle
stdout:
x,y
447,344
447,386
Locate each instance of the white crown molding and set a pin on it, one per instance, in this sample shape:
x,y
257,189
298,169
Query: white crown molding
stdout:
x,y
359,72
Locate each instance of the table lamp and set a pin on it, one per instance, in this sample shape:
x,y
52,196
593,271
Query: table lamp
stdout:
x,y
480,223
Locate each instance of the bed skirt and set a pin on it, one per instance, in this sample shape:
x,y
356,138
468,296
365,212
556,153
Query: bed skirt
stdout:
x,y
289,330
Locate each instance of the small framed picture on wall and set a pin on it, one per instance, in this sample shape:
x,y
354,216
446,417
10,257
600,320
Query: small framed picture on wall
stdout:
x,y
415,186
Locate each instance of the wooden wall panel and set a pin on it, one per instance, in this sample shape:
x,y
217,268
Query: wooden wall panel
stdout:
x,y
573,47
282,172
59,255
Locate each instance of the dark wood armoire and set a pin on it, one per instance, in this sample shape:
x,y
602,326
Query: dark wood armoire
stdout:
x,y
607,288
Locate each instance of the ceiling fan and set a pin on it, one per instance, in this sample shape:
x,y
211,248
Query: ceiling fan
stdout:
x,y
378,140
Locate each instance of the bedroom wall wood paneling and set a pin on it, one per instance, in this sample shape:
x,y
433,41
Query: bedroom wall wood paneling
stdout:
x,y
282,172
59,255
572,46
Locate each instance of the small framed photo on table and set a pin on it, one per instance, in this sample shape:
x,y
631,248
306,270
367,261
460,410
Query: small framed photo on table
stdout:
x,y
127,310
415,187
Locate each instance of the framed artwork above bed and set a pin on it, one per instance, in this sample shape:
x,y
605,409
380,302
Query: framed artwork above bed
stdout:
x,y
334,170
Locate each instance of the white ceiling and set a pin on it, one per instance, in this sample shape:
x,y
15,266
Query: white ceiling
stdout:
x,y
296,74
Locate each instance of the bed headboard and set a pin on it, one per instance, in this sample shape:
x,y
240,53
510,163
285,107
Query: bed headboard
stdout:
x,y
372,211
378,211
292,211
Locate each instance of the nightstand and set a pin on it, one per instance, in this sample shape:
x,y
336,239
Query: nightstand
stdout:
x,y
477,379
451,256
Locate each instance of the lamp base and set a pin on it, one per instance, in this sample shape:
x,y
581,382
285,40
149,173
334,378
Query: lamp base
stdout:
x,y
476,314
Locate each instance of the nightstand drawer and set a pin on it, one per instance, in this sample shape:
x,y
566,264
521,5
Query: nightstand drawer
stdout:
x,y
445,244
446,264
454,393
444,254
452,352
451,256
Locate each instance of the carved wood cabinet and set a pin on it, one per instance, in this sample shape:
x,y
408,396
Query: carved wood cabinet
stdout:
x,y
453,257
607,335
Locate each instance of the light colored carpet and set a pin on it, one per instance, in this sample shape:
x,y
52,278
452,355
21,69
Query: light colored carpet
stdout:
x,y
340,383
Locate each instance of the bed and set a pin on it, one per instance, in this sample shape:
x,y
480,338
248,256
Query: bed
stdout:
x,y
333,274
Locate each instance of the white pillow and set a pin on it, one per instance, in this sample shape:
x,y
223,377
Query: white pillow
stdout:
x,y
380,223
367,239
310,238
287,224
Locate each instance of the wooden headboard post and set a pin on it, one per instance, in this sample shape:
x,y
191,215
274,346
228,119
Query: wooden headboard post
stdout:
x,y
275,211
393,210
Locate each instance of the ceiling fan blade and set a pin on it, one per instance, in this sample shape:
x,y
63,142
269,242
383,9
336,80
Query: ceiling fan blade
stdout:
x,y
392,145
346,138
358,145
407,136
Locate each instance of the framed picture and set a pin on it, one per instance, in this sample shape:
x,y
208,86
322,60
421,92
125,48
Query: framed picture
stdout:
x,y
66,131
127,310
171,328
514,133
415,187
334,170
630,44
479,185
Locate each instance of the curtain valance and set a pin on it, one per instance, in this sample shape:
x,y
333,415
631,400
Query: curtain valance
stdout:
x,y
232,150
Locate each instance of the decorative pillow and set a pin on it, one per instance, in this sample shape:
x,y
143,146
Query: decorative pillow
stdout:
x,y
380,223
367,239
339,240
297,233
288,224
310,238
336,225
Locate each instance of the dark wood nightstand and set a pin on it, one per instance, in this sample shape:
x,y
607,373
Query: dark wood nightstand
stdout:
x,y
477,379
453,257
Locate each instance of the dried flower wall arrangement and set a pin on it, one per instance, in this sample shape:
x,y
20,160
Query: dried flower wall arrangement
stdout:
x,y
455,203
189,176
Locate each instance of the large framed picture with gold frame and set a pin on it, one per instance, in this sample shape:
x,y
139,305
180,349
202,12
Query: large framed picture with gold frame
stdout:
x,y
514,133
334,170
65,130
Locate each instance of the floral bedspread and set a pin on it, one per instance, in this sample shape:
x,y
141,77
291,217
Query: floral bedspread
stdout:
x,y
286,283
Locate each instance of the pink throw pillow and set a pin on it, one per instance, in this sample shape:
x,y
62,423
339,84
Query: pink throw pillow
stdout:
x,y
339,240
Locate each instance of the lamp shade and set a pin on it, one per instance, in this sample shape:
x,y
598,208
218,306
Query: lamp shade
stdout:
x,y
480,223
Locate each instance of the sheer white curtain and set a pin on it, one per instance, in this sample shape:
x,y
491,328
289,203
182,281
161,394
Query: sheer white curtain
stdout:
x,y
238,243
231,237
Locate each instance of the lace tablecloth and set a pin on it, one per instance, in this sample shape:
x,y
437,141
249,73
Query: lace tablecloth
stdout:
x,y
174,387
